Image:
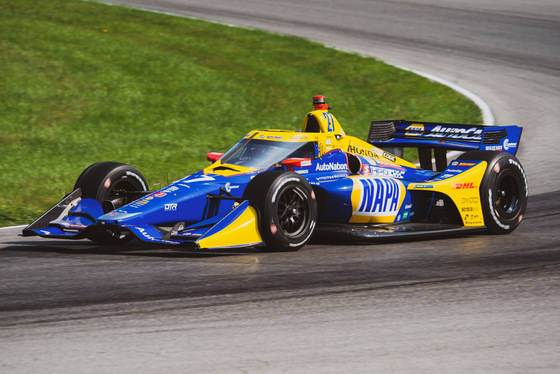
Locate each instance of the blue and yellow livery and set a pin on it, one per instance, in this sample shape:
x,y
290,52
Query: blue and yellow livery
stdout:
x,y
277,189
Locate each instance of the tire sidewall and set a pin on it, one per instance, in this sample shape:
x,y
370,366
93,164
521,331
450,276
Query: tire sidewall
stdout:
x,y
98,180
501,168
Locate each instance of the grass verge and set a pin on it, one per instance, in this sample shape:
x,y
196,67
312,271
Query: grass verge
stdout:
x,y
84,82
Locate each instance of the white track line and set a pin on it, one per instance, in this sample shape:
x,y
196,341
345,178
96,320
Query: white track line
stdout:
x,y
487,116
13,227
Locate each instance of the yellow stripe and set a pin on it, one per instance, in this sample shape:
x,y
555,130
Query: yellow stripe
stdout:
x,y
244,231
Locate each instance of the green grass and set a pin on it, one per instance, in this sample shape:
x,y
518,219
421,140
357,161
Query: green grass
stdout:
x,y
83,82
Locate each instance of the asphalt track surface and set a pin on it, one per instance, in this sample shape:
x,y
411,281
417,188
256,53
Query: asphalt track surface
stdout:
x,y
476,304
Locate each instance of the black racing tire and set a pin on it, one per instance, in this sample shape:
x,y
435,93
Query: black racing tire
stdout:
x,y
287,209
503,191
108,183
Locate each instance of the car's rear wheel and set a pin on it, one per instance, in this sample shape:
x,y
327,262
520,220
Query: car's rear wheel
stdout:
x,y
287,209
113,185
503,191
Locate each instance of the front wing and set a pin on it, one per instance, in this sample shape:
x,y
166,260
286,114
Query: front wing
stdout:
x,y
76,218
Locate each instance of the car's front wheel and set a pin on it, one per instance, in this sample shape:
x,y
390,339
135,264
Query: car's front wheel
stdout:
x,y
287,209
113,185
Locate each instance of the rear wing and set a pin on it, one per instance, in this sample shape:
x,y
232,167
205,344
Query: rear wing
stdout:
x,y
401,133
442,137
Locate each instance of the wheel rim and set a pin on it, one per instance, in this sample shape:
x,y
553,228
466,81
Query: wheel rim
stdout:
x,y
506,201
293,212
117,196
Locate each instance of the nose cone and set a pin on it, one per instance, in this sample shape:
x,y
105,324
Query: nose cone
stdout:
x,y
159,208
182,201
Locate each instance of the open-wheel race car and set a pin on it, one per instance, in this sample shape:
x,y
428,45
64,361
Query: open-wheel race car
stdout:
x,y
276,189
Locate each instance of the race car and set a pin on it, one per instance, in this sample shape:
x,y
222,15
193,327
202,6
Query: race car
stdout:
x,y
277,189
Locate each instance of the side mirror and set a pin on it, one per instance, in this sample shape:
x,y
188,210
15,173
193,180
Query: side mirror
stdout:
x,y
213,156
291,163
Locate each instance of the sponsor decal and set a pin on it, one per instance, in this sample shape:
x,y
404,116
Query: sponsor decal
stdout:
x,y
422,186
353,148
461,164
170,189
273,229
497,168
107,183
386,172
331,166
389,156
149,237
190,234
384,154
459,133
333,176
405,215
445,176
170,207
230,187
366,170
159,194
473,219
145,234
414,129
380,195
470,200
508,145
469,209
302,171
494,148
463,186
297,137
